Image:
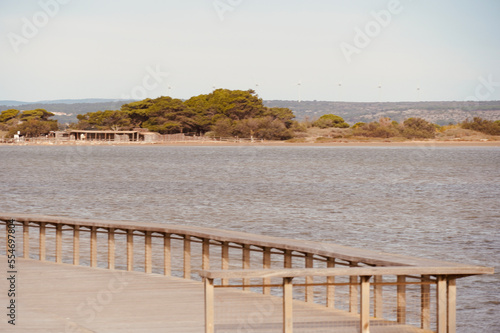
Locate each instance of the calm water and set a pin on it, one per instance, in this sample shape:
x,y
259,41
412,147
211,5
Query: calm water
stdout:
x,y
432,202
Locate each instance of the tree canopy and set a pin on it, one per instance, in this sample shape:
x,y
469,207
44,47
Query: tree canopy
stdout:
x,y
330,120
8,115
223,112
31,123
104,120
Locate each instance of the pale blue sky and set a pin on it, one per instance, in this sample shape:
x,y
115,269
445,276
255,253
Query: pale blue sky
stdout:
x,y
108,49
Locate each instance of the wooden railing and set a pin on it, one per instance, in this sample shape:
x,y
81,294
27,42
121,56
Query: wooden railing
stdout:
x,y
184,251
445,281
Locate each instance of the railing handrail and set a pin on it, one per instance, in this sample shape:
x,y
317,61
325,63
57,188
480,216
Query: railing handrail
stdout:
x,y
351,271
326,250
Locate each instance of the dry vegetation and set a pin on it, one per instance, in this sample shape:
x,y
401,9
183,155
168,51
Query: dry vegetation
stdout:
x,y
442,133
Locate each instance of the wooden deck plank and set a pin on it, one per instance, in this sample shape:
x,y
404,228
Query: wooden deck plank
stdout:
x,y
64,298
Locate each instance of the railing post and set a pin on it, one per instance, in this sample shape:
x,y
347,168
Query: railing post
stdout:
x,y
205,264
442,300
353,291
209,305
26,239
330,289
266,264
225,260
130,250
452,305
246,264
111,248
287,305
425,303
58,243
287,262
42,242
365,304
187,257
148,259
167,261
309,294
401,299
76,245
378,310
93,246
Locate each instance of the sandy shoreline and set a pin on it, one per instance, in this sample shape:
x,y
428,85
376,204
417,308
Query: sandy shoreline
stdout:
x,y
428,143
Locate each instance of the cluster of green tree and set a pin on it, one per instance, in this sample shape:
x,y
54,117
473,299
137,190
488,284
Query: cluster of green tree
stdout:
x,y
30,123
482,125
221,113
411,128
330,120
66,110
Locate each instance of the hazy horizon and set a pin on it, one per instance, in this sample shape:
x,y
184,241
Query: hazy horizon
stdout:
x,y
99,100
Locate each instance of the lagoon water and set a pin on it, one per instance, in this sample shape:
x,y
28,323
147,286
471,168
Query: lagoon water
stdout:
x,y
425,201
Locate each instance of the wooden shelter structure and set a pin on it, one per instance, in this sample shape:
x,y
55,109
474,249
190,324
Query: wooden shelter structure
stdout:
x,y
108,135
98,135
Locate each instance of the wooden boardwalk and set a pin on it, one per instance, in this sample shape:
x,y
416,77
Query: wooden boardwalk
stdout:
x,y
305,286
64,298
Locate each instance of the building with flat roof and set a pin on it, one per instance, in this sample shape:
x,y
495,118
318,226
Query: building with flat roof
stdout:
x,y
99,135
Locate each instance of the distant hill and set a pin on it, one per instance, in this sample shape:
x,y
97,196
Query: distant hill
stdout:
x,y
79,101
441,113
11,103
61,101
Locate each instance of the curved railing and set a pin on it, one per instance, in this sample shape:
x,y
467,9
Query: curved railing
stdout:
x,y
190,252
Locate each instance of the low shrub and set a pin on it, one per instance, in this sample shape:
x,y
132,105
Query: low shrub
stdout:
x,y
482,125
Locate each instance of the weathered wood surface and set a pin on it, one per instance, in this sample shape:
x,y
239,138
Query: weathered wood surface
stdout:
x,y
351,271
64,298
316,248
